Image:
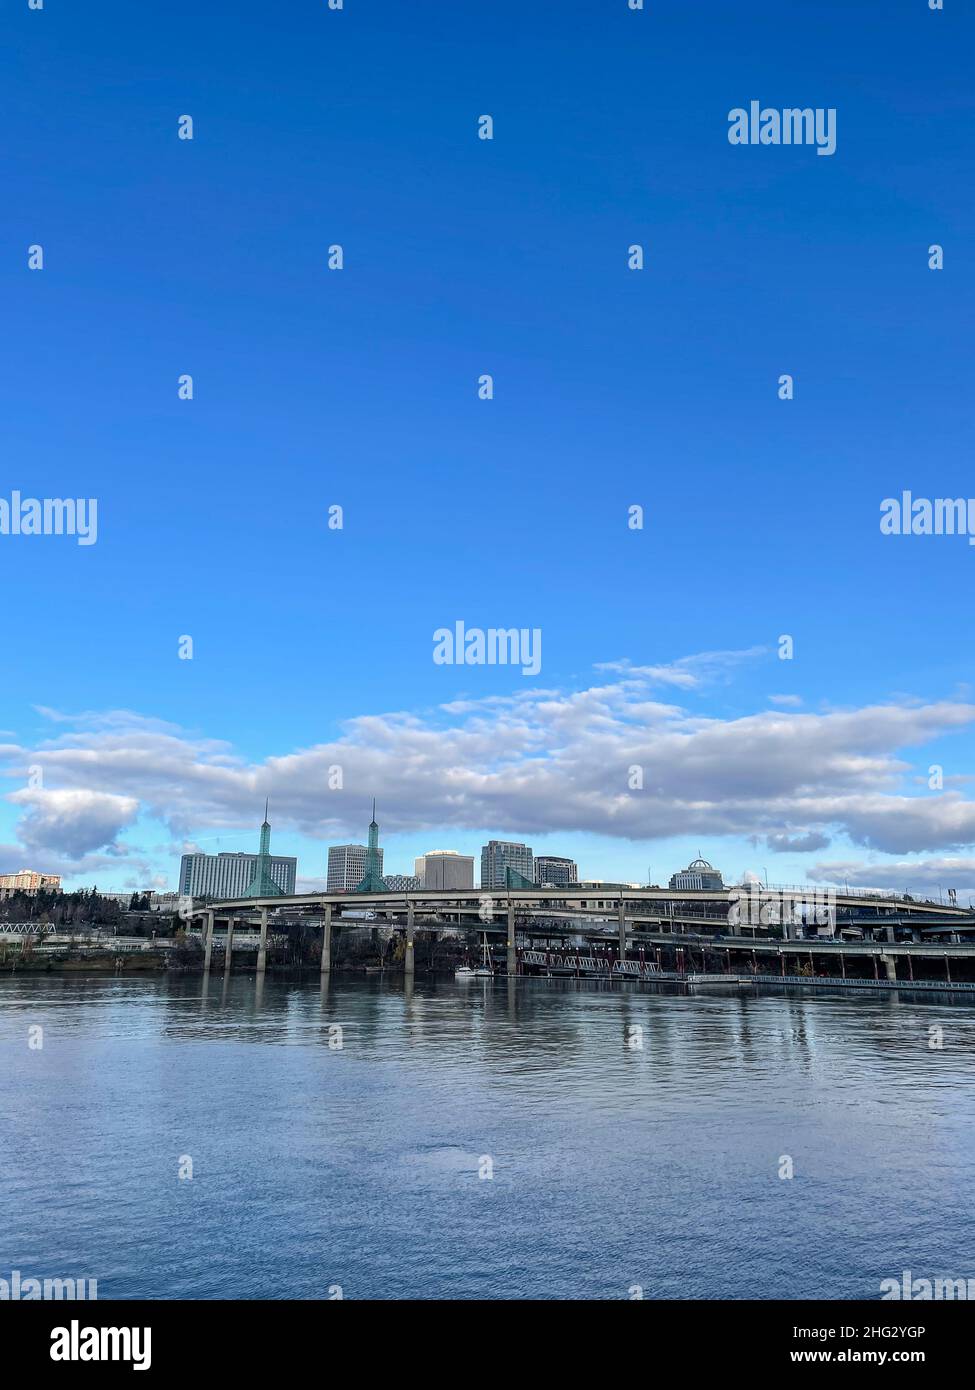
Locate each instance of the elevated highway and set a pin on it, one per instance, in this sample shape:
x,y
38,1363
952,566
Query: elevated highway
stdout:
x,y
739,917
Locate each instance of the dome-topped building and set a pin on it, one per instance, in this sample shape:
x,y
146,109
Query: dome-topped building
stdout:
x,y
699,876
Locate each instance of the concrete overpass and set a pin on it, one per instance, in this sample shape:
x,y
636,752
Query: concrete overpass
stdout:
x,y
634,914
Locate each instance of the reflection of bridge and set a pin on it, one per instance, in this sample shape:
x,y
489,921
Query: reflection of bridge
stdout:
x,y
627,916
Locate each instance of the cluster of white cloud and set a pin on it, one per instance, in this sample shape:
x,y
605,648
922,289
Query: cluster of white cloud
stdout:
x,y
536,761
924,878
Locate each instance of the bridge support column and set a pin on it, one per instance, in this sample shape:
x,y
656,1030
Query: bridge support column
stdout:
x,y
327,939
229,951
622,928
409,959
512,961
262,948
207,941
890,934
891,965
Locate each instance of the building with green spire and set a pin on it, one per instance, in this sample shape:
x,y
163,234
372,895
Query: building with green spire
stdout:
x,y
262,885
373,881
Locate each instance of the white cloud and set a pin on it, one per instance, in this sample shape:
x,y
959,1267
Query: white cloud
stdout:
x,y
529,763
72,821
797,844
689,672
922,877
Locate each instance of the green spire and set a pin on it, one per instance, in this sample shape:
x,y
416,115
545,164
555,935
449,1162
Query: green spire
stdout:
x,y
262,885
373,882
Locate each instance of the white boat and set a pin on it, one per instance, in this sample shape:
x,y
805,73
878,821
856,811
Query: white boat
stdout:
x,y
479,972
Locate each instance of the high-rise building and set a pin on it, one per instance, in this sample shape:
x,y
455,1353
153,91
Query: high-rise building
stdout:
x,y
347,867
29,881
445,868
497,856
697,877
230,875
552,869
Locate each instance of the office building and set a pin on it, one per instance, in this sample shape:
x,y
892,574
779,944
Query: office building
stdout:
x,y
230,875
445,868
551,869
346,867
498,856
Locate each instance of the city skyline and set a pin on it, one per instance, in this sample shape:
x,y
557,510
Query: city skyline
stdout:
x,y
761,516
357,868
795,856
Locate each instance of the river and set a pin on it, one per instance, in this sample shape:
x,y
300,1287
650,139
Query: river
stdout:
x,y
495,1139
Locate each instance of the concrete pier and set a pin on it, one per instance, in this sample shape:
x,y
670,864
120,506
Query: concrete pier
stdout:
x,y
229,950
512,955
208,942
409,959
622,929
327,940
262,948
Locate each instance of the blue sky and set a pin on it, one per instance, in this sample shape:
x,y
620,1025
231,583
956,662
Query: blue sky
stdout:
x,y
612,388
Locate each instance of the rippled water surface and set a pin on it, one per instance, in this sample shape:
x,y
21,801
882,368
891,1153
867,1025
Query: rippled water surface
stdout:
x,y
613,1165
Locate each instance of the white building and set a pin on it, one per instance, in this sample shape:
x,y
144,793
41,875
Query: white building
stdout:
x,y
445,868
227,875
163,902
347,867
698,876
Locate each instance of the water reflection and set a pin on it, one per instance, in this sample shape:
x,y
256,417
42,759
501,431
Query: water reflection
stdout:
x,y
634,1133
